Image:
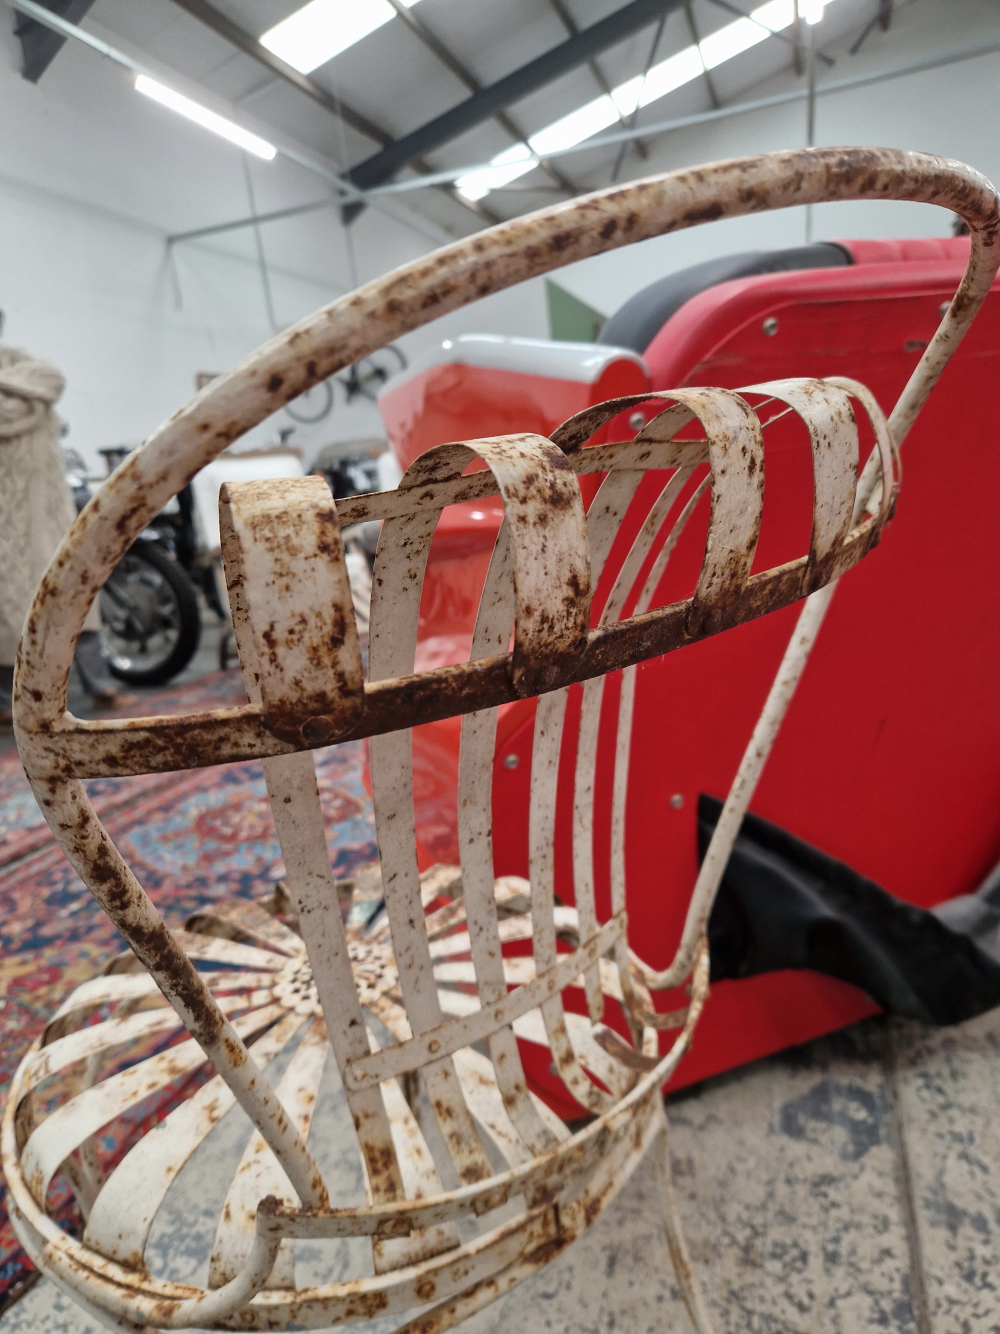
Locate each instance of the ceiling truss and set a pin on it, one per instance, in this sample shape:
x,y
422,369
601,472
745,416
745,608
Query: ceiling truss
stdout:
x,y
236,36
482,105
40,45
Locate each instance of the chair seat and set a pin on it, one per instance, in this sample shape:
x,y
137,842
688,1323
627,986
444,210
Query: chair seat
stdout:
x,y
115,1049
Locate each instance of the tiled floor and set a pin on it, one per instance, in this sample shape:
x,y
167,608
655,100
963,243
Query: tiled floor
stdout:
x,y
851,1184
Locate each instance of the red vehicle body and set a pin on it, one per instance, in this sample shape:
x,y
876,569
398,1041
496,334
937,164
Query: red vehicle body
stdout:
x,y
889,758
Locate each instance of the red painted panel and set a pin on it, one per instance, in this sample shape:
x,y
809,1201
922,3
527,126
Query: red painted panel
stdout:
x,y
922,248
452,401
744,1021
890,755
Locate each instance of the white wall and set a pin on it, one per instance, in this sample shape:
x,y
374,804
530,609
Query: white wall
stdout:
x,y
91,290
93,178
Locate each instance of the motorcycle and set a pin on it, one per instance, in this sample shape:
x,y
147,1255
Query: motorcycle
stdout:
x,y
150,620
149,607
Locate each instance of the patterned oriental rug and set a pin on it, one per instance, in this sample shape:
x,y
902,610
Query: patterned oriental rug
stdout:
x,y
190,837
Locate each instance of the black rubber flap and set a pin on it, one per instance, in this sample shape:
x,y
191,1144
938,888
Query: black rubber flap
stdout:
x,y
785,904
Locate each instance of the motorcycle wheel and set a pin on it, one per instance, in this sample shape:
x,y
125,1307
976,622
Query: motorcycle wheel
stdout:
x,y
150,623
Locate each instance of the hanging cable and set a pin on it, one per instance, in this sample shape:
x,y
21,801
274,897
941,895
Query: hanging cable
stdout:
x,y
638,98
345,221
265,276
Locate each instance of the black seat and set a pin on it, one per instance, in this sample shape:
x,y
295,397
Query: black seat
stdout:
x,y
637,323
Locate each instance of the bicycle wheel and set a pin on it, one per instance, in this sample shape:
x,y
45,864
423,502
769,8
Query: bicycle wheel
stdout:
x,y
374,371
150,623
313,405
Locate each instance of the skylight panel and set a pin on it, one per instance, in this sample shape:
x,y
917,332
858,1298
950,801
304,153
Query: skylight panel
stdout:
x,y
504,168
730,41
626,95
322,29
228,129
735,38
661,79
577,126
777,14
522,158
672,73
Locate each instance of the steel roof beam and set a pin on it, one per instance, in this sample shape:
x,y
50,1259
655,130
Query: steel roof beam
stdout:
x,y
571,26
40,45
250,46
544,69
461,71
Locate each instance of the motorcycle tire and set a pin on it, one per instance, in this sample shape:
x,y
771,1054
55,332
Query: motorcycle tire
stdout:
x,y
164,573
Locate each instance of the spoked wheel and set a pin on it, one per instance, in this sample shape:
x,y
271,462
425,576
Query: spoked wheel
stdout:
x,y
312,406
150,624
367,376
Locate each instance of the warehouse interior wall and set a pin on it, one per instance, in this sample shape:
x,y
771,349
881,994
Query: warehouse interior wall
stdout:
x,y
93,179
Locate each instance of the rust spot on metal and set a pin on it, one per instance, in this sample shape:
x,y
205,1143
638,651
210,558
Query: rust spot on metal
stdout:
x,y
544,1255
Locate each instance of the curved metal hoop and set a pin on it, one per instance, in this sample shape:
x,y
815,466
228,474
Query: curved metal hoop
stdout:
x,y
411,296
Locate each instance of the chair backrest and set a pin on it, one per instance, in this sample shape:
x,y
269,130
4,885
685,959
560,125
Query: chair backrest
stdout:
x,y
544,623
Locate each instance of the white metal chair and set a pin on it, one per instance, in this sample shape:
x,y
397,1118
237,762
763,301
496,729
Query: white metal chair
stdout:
x,y
471,1182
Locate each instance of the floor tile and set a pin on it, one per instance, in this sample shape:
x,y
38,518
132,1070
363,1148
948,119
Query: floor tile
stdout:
x,y
949,1082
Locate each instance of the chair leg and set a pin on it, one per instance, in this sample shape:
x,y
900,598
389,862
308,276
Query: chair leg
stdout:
x,y
686,1281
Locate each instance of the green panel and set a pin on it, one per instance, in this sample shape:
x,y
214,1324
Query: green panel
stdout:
x,y
571,320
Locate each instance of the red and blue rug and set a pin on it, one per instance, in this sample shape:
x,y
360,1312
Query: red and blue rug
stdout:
x,y
190,837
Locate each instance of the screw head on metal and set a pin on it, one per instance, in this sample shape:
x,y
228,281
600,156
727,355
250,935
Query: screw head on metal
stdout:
x,y
943,309
318,731
637,420
677,801
770,326
511,761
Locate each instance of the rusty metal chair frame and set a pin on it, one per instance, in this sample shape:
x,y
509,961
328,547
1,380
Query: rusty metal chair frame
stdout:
x,y
415,996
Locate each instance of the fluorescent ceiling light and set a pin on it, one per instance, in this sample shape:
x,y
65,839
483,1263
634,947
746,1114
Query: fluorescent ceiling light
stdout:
x,y
202,116
674,72
322,29
735,38
661,79
505,167
574,128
